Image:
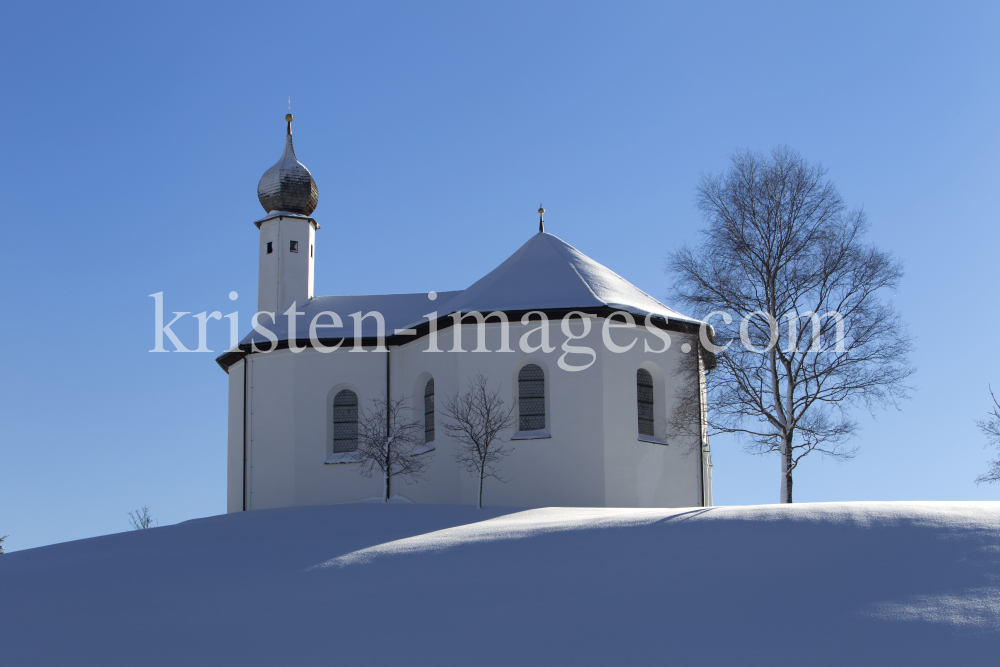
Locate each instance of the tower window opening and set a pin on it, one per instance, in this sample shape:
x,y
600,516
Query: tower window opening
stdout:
x,y
293,246
269,248
310,250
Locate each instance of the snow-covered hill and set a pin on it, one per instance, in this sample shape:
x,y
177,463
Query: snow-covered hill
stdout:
x,y
368,584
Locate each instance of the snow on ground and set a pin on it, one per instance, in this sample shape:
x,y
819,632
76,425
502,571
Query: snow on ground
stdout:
x,y
402,584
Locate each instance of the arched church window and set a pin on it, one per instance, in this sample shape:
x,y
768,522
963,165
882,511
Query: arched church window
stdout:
x,y
345,422
531,398
429,411
644,390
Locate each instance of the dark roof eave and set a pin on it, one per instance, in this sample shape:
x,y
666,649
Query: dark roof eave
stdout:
x,y
232,356
285,214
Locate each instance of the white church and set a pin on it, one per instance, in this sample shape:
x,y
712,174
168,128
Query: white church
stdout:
x,y
592,411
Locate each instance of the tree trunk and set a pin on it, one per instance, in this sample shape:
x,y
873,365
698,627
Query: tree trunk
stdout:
x,y
785,495
387,475
788,479
480,505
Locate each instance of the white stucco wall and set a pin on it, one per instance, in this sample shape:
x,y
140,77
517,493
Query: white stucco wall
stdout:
x,y
593,457
640,473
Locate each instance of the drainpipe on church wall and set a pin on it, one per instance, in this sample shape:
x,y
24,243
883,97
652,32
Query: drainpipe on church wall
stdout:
x,y
388,427
701,425
246,367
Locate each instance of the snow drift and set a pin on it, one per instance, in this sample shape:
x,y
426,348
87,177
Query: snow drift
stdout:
x,y
369,584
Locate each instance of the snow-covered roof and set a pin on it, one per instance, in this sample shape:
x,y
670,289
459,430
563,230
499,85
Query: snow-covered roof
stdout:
x,y
546,272
398,310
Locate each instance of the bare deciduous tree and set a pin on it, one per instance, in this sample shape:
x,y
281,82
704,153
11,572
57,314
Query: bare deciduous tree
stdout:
x,y
991,429
810,335
1,543
475,419
141,519
386,439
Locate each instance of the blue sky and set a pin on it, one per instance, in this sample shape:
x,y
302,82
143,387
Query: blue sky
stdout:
x,y
132,137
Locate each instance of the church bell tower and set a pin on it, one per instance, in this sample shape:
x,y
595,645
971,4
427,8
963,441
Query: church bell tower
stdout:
x,y
288,194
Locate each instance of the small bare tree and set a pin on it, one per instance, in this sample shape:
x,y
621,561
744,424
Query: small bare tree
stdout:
x,y
141,519
806,333
475,419
386,439
991,429
1,543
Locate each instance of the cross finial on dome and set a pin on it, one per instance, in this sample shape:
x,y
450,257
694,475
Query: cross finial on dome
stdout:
x,y
541,218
